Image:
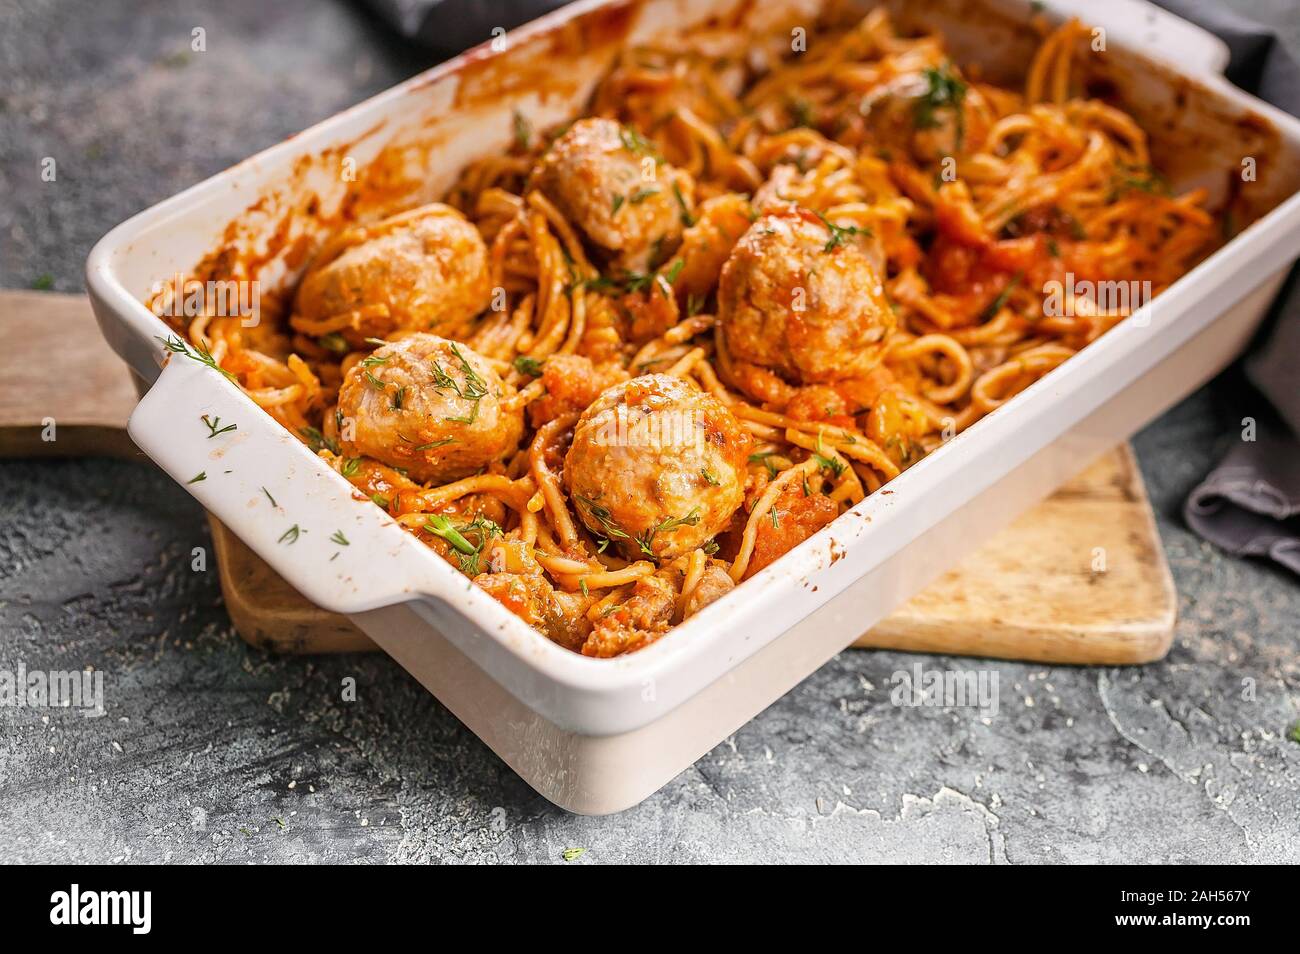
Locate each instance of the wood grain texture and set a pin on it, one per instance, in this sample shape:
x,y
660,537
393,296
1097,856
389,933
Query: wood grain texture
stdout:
x,y
55,366
267,612
1034,592
1081,578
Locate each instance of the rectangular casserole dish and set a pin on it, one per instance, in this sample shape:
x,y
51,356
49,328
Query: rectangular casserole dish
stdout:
x,y
594,735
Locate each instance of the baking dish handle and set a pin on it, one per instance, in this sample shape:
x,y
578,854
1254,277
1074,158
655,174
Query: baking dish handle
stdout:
x,y
282,500
1161,34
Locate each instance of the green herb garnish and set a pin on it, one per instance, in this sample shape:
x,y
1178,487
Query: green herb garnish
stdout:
x,y
836,467
316,440
214,426
468,554
945,90
466,419
633,141
646,539
801,112
763,459
674,270
474,388
687,219
602,516
529,366
333,342
1142,179
200,354
440,526
523,131
998,303
839,233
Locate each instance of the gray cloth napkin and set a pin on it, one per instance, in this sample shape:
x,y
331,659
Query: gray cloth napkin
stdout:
x,y
1250,503
452,26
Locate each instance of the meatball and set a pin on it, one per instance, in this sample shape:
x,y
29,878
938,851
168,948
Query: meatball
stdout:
x,y
801,300
656,467
612,186
423,270
430,406
927,114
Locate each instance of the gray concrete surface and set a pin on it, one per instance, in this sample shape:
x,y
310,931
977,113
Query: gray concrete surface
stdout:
x,y
211,751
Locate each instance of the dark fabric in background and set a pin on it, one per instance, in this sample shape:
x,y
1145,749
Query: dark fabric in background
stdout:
x,y
449,27
1250,503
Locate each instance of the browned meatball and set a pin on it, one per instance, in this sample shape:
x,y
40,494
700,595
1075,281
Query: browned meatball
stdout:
x,y
801,301
610,184
927,114
430,406
423,270
656,466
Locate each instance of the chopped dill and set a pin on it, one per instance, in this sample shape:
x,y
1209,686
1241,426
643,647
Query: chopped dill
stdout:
x,y
214,426
646,540
200,354
600,513
839,233
529,366
687,219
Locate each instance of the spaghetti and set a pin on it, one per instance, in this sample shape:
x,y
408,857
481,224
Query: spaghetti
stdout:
x,y
826,268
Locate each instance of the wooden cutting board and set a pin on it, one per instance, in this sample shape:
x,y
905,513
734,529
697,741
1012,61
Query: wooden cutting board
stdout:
x,y
1034,592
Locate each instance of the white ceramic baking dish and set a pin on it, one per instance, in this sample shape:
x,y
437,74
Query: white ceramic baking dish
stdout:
x,y
597,736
